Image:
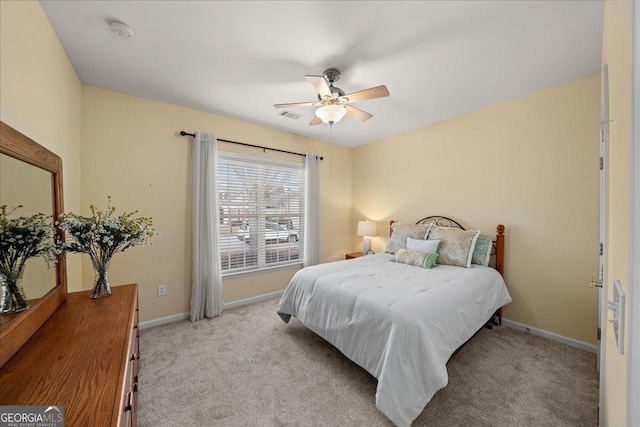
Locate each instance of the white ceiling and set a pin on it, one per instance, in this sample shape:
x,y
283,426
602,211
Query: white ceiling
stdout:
x,y
438,59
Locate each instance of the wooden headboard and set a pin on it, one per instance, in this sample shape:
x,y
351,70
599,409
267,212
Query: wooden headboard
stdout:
x,y
443,221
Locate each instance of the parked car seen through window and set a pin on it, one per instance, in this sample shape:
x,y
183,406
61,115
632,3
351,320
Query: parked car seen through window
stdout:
x,y
273,233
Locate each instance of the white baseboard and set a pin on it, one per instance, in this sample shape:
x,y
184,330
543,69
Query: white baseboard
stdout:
x,y
550,335
252,300
163,320
232,304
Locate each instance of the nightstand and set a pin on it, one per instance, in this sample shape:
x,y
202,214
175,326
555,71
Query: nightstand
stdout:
x,y
353,255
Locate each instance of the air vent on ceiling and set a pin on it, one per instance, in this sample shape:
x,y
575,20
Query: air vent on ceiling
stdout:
x,y
289,115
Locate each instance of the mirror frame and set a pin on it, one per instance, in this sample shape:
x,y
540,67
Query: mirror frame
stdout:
x,y
16,333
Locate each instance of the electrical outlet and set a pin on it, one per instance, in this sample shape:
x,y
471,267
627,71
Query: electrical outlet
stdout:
x,y
162,290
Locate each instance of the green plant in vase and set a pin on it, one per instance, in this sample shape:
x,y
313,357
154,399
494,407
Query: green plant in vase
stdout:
x,y
22,238
100,236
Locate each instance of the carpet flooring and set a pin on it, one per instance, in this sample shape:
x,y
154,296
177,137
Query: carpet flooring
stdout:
x,y
248,368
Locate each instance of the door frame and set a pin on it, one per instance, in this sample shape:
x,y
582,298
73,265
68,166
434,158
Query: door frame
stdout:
x,y
602,259
633,374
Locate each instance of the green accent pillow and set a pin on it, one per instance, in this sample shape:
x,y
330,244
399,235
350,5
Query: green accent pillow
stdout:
x,y
416,258
482,251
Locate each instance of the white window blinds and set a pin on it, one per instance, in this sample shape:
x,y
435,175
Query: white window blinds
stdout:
x,y
261,212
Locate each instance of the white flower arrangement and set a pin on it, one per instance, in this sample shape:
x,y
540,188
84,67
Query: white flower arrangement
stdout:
x,y
25,237
22,238
102,234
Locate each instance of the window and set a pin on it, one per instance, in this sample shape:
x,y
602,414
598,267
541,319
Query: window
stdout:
x,y
261,212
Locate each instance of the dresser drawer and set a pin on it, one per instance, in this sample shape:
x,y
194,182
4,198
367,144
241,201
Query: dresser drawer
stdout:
x,y
130,389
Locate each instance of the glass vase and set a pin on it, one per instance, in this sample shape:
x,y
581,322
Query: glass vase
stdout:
x,y
12,297
101,287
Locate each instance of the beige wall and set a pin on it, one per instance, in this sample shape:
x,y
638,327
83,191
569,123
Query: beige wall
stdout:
x,y
530,164
616,53
131,151
40,95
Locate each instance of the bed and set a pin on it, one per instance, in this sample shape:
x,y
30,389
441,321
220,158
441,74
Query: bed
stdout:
x,y
400,322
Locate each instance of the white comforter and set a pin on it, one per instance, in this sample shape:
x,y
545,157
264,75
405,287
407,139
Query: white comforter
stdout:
x,y
400,323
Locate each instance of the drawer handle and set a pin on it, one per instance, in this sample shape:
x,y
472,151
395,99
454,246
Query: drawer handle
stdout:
x,y
129,405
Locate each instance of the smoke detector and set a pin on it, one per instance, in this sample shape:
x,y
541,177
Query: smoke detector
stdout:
x,y
122,30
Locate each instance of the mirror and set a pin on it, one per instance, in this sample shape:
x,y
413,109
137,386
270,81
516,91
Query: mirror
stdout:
x,y
22,184
31,175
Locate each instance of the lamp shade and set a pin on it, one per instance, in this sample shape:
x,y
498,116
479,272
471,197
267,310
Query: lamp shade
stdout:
x,y
367,228
331,113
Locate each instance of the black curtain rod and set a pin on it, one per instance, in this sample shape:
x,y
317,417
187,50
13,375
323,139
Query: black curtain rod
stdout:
x,y
183,133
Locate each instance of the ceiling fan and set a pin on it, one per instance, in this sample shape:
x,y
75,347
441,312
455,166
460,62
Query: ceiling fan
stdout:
x,y
333,102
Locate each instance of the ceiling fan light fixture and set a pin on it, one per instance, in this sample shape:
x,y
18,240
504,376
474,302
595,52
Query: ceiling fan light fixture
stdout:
x,y
332,101
331,114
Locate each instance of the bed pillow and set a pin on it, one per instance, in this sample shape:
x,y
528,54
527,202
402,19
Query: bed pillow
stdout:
x,y
423,245
416,258
482,251
400,233
456,247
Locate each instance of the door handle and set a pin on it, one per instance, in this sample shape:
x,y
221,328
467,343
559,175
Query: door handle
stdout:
x,y
595,283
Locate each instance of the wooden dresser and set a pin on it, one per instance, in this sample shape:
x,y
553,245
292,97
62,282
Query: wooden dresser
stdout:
x,y
85,358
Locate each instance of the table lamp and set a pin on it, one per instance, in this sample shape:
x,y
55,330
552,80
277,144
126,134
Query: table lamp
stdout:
x,y
367,229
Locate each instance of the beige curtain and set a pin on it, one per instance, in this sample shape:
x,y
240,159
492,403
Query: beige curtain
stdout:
x,y
206,288
312,217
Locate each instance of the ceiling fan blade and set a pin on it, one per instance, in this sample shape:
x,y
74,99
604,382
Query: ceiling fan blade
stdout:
x,y
371,93
363,116
296,104
320,85
316,121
